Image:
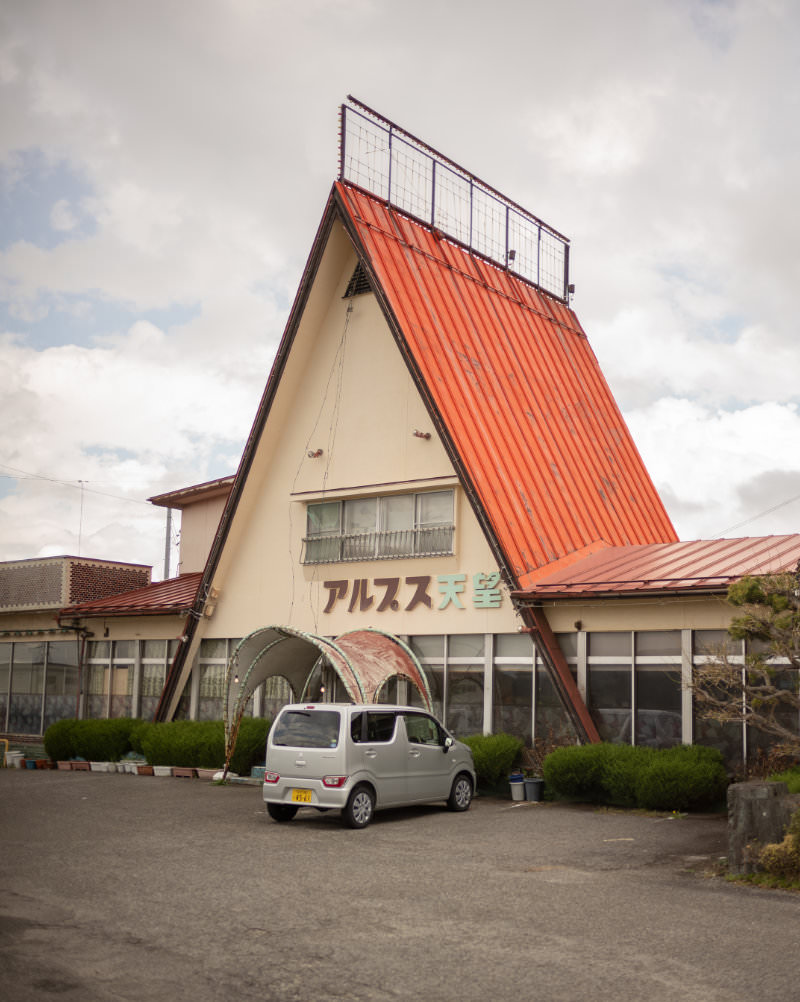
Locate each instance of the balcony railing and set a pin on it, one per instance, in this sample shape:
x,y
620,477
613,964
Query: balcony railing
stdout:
x,y
428,542
384,159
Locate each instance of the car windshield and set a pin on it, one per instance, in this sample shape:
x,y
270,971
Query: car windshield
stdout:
x,y
307,729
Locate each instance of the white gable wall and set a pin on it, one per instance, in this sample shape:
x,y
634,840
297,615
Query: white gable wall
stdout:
x,y
347,391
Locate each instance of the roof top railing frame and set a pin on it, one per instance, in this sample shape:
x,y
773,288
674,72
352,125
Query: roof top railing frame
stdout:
x,y
510,219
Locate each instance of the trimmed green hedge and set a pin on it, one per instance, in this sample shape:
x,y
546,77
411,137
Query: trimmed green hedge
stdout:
x,y
184,743
93,740
494,756
686,777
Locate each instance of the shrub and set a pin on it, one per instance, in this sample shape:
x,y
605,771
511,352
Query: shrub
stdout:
x,y
789,776
494,756
58,740
184,743
94,740
251,744
102,740
687,777
782,859
201,744
620,773
575,772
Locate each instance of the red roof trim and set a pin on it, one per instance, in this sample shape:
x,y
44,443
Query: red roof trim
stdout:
x,y
174,596
681,567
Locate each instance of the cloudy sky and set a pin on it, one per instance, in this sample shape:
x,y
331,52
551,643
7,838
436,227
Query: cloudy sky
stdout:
x,y
164,165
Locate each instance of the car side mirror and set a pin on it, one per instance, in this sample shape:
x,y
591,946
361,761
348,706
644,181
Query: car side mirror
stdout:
x,y
448,744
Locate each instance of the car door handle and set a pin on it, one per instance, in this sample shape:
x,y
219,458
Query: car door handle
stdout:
x,y
414,752
371,753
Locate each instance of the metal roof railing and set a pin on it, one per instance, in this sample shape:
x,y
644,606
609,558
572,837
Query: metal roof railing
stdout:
x,y
389,162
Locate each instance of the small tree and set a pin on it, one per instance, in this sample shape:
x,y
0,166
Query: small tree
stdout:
x,y
761,691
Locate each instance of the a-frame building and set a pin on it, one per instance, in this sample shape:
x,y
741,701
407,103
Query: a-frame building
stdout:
x,y
435,432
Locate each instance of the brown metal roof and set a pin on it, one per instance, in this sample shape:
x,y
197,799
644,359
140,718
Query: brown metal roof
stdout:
x,y
174,596
696,565
518,390
188,495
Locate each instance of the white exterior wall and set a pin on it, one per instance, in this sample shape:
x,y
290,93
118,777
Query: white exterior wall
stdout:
x,y
345,390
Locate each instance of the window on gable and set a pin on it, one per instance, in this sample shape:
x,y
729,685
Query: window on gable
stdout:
x,y
382,528
358,284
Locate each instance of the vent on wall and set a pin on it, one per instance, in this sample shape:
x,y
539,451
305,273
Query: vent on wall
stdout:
x,y
358,284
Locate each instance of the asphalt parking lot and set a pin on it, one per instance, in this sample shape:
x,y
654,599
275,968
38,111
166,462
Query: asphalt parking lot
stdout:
x,y
136,888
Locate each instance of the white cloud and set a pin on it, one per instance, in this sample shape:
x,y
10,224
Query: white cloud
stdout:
x,y
661,137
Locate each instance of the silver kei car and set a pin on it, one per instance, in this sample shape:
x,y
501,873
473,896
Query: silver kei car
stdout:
x,y
358,758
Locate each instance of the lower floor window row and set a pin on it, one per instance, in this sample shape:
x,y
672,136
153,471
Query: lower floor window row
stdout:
x,y
634,684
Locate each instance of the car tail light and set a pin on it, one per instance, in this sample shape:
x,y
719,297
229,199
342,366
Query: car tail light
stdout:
x,y
335,781
271,777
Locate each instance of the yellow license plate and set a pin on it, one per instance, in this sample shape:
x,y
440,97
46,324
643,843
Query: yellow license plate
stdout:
x,y
301,796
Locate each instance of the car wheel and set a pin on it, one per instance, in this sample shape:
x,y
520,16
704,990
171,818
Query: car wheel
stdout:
x,y
359,808
281,812
461,793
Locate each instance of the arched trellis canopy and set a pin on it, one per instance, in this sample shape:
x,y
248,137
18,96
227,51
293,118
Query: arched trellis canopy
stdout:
x,y
364,660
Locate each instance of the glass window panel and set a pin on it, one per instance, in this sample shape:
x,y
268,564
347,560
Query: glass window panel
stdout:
x,y
213,649
28,654
397,512
212,681
62,652
568,642
465,700
154,649
466,645
609,645
27,679
609,701
552,722
323,518
125,650
428,647
513,645
710,642
153,677
513,701
99,649
658,707
435,508
658,642
435,677
360,515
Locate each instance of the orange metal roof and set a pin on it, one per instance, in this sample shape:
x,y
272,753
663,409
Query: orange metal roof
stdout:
x,y
518,391
696,565
173,596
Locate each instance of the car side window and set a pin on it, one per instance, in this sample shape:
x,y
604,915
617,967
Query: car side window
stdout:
x,y
379,728
422,730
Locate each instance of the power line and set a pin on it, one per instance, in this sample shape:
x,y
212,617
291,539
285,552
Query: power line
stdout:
x,y
761,514
18,474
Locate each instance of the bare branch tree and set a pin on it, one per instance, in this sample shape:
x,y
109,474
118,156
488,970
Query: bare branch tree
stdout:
x,y
762,691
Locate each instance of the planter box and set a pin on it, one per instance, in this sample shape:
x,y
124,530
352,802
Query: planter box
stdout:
x,y
182,773
64,766
102,767
162,770
257,772
144,770
206,773
30,763
81,767
43,763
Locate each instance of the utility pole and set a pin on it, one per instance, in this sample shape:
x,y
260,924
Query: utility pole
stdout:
x,y
167,543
